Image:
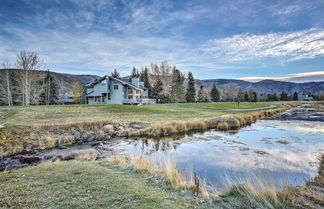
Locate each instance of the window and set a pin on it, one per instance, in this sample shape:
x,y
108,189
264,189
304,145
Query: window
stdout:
x,y
98,99
138,91
129,91
115,85
130,96
109,96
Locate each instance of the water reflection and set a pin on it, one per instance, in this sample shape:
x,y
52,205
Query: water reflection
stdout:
x,y
284,150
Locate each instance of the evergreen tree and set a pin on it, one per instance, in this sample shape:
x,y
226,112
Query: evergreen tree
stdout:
x,y
135,73
246,96
49,95
115,74
191,90
295,96
147,82
157,90
214,94
177,89
283,96
275,97
141,75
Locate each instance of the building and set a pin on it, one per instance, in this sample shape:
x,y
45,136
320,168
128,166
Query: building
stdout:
x,y
110,90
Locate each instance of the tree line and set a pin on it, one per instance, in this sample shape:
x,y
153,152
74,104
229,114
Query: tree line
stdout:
x,y
24,83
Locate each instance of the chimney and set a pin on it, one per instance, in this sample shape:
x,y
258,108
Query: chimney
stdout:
x,y
135,82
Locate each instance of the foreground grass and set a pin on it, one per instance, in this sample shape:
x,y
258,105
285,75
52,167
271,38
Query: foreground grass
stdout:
x,y
64,114
81,184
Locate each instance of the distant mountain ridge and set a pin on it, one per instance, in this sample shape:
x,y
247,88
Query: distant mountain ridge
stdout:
x,y
265,86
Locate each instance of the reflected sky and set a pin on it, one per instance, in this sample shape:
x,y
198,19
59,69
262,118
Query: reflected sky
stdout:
x,y
285,150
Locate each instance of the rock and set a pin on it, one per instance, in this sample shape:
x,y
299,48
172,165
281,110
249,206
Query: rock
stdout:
x,y
97,143
108,129
120,128
29,159
77,136
61,147
138,126
10,164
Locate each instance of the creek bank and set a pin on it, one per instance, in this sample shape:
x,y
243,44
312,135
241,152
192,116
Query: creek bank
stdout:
x,y
306,112
67,139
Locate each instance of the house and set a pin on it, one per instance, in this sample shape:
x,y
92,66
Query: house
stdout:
x,y
306,97
110,90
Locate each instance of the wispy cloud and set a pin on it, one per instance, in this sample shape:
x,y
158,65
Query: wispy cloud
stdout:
x,y
281,47
296,77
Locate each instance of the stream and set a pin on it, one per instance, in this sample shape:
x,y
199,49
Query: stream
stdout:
x,y
280,150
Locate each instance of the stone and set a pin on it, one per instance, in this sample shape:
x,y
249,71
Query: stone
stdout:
x,y
77,136
108,129
138,126
29,159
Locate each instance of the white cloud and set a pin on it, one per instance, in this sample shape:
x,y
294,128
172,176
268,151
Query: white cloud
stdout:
x,y
296,77
281,47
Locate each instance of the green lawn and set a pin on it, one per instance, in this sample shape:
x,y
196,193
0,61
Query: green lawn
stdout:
x,y
83,184
62,114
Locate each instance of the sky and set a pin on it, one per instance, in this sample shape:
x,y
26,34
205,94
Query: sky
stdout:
x,y
245,39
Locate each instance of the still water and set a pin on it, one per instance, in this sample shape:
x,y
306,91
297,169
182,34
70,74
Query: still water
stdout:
x,y
274,150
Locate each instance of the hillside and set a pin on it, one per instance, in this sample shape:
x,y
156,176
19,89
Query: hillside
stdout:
x,y
266,86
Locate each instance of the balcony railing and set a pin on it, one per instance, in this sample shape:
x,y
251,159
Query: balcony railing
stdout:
x,y
139,101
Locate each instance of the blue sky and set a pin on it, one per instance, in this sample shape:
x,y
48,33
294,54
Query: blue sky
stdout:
x,y
212,39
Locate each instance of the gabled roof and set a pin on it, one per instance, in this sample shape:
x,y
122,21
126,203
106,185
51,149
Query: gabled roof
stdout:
x,y
90,85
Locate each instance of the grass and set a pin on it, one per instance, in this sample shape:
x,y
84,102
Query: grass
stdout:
x,y
66,114
98,184
21,138
83,184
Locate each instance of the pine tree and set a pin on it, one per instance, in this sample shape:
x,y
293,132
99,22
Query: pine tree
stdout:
x,y
246,96
295,96
147,82
157,89
177,89
283,96
191,90
135,73
115,74
214,94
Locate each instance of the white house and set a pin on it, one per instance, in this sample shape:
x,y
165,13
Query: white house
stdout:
x,y
110,90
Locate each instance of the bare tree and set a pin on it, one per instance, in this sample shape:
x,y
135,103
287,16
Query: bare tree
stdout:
x,y
28,63
5,84
61,90
231,93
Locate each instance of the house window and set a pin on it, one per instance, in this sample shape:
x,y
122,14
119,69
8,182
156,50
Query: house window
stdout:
x,y
115,85
130,96
97,99
138,91
109,96
129,91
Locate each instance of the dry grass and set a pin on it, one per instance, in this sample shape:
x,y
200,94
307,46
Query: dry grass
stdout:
x,y
165,166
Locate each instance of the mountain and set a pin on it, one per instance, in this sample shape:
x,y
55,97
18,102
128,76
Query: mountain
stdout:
x,y
265,86
69,79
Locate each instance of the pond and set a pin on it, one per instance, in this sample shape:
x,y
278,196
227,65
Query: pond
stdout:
x,y
283,151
